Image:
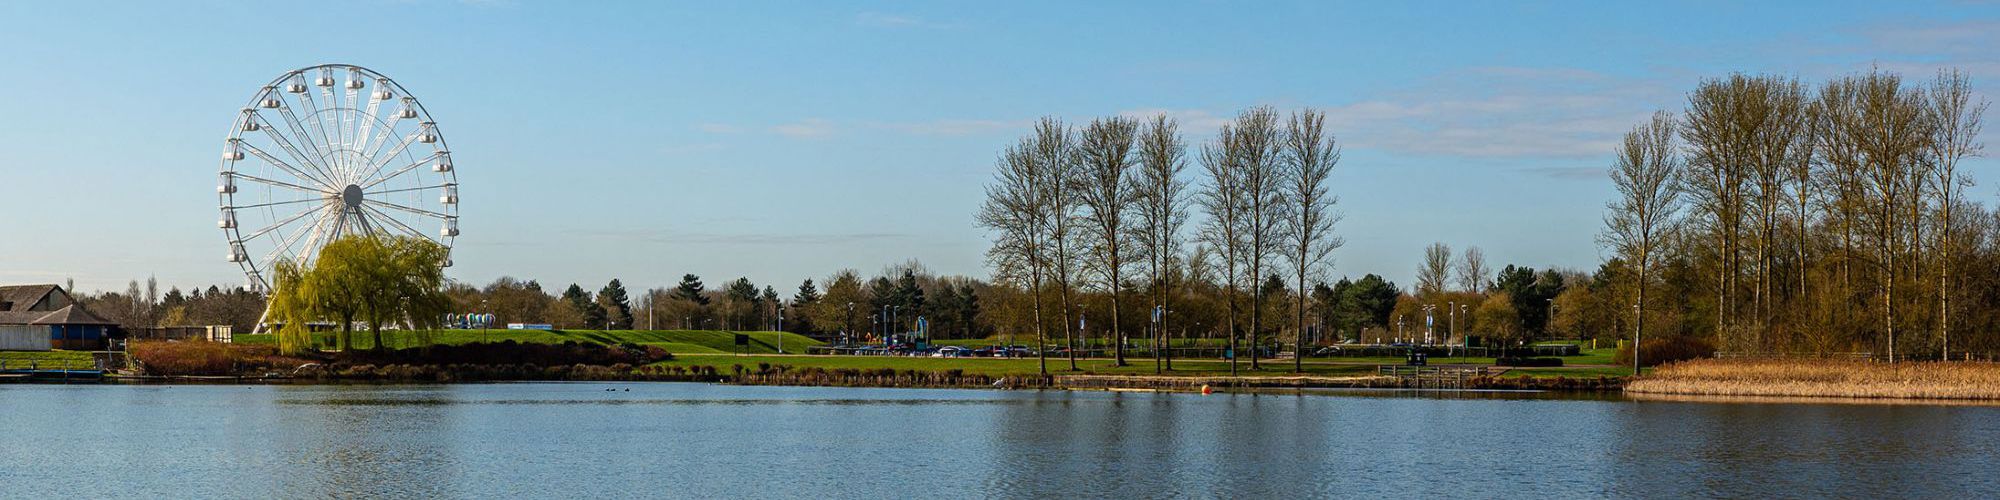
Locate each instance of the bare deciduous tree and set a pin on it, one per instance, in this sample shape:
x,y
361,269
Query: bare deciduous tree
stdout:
x,y
1310,155
1435,271
1019,207
1648,206
1473,272
1108,193
1262,143
1222,198
1162,215
1955,125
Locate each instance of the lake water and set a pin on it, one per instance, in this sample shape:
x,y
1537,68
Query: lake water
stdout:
x,y
577,440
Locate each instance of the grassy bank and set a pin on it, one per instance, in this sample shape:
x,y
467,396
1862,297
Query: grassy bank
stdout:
x,y
674,341
46,359
1823,379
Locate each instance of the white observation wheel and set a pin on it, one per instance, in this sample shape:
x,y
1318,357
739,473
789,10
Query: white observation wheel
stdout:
x,y
327,151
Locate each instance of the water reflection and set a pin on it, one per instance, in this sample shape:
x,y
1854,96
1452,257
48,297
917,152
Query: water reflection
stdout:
x,y
697,440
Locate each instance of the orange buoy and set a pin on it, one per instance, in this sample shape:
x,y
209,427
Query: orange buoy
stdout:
x,y
1206,390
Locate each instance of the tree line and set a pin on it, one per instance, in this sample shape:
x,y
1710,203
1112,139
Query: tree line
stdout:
x,y
849,306
1104,207
1776,216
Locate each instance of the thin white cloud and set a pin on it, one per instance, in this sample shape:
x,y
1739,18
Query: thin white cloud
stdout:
x,y
810,128
886,20
957,127
1483,112
1976,37
1570,173
719,128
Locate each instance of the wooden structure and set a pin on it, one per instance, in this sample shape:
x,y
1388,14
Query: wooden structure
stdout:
x,y
49,311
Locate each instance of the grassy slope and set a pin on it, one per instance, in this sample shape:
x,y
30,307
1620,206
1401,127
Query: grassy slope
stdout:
x,y
676,341
47,359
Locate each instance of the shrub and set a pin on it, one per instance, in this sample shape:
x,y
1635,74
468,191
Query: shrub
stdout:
x,y
1656,352
175,358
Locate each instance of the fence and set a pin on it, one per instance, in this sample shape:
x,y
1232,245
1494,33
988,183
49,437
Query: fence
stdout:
x,y
1435,377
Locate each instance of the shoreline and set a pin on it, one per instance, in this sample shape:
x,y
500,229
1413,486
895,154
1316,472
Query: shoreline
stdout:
x,y
875,378
1823,379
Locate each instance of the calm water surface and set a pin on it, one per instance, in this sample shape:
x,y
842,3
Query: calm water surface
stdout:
x,y
713,441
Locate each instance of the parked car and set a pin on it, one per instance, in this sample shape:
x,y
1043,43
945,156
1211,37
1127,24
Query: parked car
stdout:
x,y
950,351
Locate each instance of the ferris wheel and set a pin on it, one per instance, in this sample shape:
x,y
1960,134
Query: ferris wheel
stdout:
x,y
327,151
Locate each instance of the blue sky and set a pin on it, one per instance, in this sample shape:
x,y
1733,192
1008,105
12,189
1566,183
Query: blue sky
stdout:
x,y
785,140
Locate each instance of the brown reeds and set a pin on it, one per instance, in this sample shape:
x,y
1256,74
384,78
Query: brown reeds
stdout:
x,y
1823,379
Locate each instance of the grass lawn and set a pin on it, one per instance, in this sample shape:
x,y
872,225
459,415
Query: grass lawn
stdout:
x,y
675,341
47,359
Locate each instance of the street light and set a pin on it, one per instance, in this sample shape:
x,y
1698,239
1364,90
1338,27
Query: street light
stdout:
x,y
1399,328
1638,317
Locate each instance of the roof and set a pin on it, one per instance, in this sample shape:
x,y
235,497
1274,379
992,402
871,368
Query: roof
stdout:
x,y
70,315
24,296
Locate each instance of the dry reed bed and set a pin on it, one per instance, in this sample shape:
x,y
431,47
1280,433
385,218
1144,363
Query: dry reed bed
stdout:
x,y
1823,379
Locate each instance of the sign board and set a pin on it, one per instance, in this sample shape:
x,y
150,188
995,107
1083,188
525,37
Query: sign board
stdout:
x,y
742,339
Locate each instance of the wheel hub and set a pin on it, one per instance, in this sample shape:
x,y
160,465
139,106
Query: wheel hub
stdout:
x,y
351,196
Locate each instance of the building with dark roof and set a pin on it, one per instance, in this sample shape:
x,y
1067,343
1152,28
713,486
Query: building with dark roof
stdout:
x,y
41,317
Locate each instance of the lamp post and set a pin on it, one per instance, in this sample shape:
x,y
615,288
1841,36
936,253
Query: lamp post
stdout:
x,y
847,325
1429,329
482,324
1080,325
1399,328
1550,318
1638,317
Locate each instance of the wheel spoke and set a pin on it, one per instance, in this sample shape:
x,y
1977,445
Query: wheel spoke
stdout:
x,y
368,122
299,128
361,221
399,224
374,161
397,172
417,211
282,223
274,161
318,125
253,178
284,248
381,137
418,188
276,203
292,148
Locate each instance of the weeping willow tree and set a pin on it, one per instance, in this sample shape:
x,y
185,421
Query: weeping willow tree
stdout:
x,y
376,280
289,308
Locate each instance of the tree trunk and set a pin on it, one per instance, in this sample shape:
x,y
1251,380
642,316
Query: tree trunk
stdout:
x,y
1117,333
1299,335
